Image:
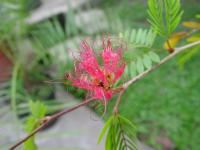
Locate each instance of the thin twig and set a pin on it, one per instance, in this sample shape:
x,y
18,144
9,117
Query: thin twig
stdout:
x,y
48,119
164,60
115,109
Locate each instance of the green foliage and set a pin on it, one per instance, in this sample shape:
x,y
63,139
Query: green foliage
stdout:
x,y
185,57
154,57
105,128
45,36
13,14
49,33
138,66
38,111
121,134
139,38
31,124
164,15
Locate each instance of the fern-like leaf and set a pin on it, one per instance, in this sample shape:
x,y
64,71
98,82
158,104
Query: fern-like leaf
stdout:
x,y
49,33
164,15
139,38
121,134
141,63
173,14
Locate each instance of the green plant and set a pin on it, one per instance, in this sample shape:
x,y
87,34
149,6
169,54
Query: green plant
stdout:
x,y
164,15
94,78
38,111
120,134
139,58
14,32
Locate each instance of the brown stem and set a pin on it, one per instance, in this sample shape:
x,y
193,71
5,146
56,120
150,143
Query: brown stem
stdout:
x,y
164,60
48,119
115,109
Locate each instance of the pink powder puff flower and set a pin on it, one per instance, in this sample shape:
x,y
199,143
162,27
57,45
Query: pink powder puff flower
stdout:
x,y
95,78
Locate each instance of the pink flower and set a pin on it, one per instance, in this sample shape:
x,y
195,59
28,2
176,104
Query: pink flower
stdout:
x,y
95,78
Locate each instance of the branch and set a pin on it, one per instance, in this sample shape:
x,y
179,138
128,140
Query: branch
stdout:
x,y
115,109
163,61
48,119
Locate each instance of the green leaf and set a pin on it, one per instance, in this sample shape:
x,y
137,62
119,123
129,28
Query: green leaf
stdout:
x,y
155,10
147,61
139,65
30,144
127,122
198,16
154,57
31,124
185,57
121,134
106,126
133,69
38,109
139,38
108,143
126,71
164,15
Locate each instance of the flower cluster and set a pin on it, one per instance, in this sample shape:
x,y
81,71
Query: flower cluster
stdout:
x,y
95,77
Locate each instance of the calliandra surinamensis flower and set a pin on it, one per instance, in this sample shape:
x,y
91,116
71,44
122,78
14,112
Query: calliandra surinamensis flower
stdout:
x,y
95,77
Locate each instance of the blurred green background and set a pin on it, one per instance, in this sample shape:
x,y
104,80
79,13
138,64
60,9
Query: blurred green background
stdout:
x,y
164,105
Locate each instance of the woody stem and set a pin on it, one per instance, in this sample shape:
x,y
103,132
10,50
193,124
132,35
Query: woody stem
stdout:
x,y
115,109
49,119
